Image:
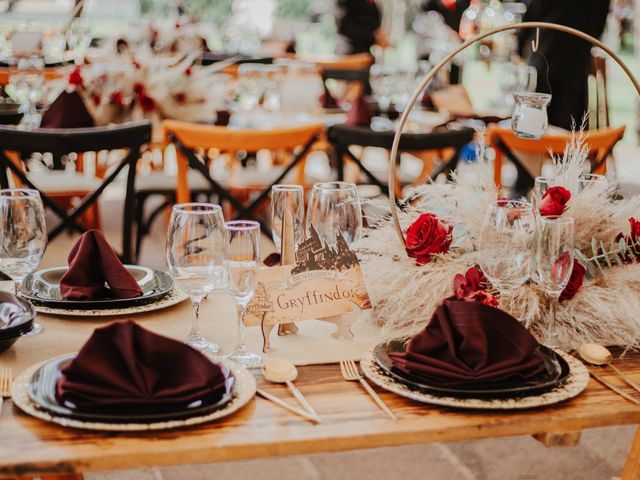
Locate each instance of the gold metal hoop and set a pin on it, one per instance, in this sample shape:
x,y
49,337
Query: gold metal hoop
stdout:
x,y
447,59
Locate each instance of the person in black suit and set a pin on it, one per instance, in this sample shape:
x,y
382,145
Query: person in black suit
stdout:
x,y
569,57
359,24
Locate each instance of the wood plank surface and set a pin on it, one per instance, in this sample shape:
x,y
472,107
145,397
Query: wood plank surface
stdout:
x,y
350,421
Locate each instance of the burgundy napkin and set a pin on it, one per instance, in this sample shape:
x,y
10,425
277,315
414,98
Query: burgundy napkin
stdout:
x,y
326,99
360,114
92,263
470,343
126,367
67,111
272,259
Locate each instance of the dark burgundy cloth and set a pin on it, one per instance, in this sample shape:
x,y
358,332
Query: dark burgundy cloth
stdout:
x,y
470,343
92,263
67,111
272,260
360,114
126,367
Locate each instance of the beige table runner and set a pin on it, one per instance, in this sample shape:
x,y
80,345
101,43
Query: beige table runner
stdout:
x,y
312,345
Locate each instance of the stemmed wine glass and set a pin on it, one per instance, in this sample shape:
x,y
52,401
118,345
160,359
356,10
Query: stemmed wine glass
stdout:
x,y
242,260
554,262
334,207
507,245
23,237
195,256
540,187
287,198
28,82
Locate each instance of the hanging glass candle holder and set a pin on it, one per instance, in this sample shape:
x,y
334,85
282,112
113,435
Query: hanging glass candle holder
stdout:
x,y
529,118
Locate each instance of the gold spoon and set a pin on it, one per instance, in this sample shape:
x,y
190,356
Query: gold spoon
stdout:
x,y
598,355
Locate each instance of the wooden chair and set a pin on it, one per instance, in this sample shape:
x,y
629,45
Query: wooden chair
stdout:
x,y
506,143
189,136
51,73
356,61
18,146
344,136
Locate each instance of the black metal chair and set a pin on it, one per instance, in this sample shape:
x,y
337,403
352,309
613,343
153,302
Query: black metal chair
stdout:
x,y
342,137
17,147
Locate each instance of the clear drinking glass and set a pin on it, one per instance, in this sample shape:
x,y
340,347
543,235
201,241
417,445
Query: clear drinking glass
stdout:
x,y
23,235
529,118
195,256
28,79
554,263
242,260
287,198
334,207
589,179
540,187
507,244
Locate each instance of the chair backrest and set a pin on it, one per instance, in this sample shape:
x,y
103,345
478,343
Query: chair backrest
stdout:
x,y
16,146
49,74
192,135
600,143
356,61
347,75
599,101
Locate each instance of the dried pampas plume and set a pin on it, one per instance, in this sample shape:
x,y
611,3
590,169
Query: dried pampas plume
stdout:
x,y
405,295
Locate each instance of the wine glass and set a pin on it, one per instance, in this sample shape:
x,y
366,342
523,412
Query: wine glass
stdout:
x,y
334,208
540,187
588,180
287,198
195,256
23,236
242,260
554,263
506,246
29,87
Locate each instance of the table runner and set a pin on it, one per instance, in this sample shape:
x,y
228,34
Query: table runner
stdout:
x,y
312,345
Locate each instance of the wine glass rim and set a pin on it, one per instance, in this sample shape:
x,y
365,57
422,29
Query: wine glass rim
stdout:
x,y
241,225
557,219
205,208
334,186
25,192
287,187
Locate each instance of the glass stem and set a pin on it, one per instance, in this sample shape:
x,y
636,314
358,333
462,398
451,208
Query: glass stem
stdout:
x,y
552,339
241,309
195,325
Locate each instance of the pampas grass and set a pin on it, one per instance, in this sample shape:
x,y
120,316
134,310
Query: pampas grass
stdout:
x,y
404,295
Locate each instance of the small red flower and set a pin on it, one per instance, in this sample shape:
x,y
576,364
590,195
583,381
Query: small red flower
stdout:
x,y
554,201
486,297
466,285
138,88
188,71
147,103
427,236
75,78
95,98
117,98
180,97
575,282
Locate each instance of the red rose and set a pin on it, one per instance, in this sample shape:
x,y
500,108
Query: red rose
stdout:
x,y
75,78
554,201
466,285
426,237
180,97
634,229
117,98
484,296
575,282
147,103
138,88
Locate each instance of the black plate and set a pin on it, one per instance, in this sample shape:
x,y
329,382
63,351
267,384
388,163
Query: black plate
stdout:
x,y
42,388
15,314
43,287
556,371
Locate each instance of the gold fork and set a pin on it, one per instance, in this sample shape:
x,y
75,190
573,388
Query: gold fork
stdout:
x,y
350,372
6,379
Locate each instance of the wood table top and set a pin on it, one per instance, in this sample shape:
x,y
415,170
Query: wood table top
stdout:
x,y
350,421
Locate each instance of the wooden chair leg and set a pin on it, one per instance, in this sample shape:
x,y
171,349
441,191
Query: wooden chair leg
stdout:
x,y
632,466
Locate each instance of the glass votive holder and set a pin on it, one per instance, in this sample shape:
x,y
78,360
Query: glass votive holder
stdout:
x,y
529,118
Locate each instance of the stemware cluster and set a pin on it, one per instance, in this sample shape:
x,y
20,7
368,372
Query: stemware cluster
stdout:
x,y
205,253
517,243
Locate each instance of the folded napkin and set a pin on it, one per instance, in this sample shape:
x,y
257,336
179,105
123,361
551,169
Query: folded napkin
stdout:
x,y
360,114
326,99
469,343
92,263
273,260
126,367
67,111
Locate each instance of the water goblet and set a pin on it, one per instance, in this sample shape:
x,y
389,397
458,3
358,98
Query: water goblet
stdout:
x,y
23,236
287,198
554,264
242,261
334,208
195,256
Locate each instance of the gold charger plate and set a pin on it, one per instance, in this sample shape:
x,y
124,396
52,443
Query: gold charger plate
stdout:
x,y
575,383
244,390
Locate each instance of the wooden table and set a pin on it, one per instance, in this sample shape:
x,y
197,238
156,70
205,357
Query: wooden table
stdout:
x,y
351,421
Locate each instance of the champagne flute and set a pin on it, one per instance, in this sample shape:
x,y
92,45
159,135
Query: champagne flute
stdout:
x,y
506,246
554,262
242,260
287,198
540,187
334,208
195,256
23,236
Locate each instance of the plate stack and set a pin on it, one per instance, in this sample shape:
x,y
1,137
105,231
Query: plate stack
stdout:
x,y
16,319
